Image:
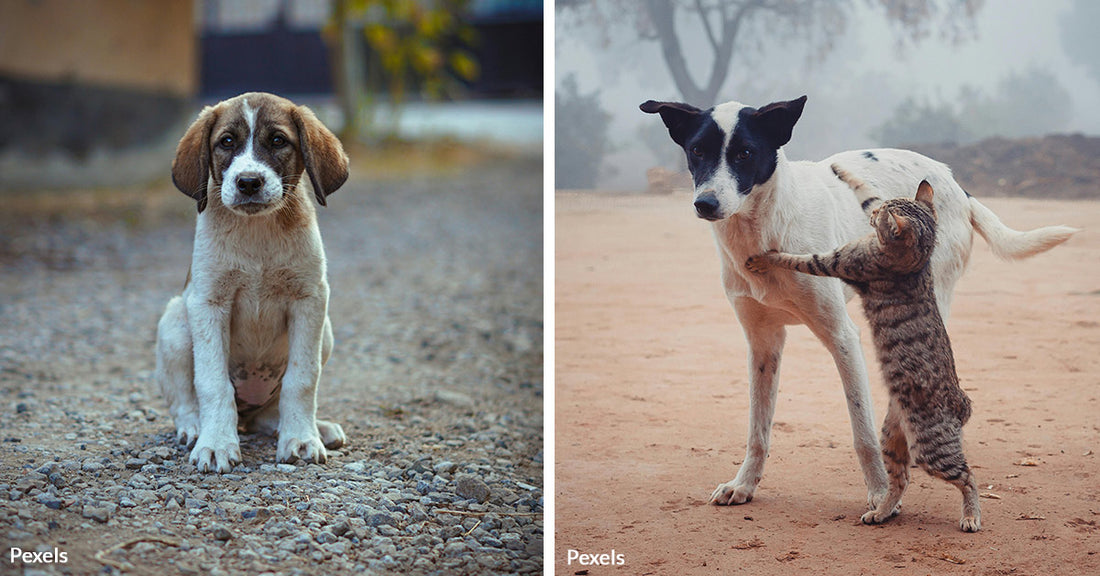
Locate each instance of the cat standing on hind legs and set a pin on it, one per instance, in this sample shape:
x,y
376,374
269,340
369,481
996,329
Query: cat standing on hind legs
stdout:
x,y
890,271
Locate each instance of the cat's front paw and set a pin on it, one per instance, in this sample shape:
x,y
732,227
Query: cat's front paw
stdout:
x,y
970,523
758,264
877,517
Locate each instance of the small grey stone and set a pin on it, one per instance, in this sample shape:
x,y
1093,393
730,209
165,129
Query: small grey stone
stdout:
x,y
453,398
380,519
98,514
89,466
221,533
472,487
512,541
286,468
49,501
356,467
136,463
325,537
455,549
340,528
444,467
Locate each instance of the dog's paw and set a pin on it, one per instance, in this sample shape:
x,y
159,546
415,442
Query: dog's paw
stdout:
x,y
216,453
309,448
970,523
732,493
758,264
332,435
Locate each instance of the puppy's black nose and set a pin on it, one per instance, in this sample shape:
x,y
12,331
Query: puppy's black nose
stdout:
x,y
249,185
706,205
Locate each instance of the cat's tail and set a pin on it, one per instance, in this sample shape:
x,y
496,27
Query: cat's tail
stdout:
x,y
1009,244
868,200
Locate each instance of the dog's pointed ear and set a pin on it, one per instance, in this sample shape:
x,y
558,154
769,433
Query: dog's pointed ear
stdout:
x,y
777,120
324,156
191,166
679,118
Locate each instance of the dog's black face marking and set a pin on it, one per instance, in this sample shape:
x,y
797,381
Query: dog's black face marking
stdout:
x,y
751,155
704,149
870,156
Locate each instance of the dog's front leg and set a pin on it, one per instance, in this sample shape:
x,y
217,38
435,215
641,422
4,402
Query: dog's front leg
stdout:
x,y
298,434
766,337
218,446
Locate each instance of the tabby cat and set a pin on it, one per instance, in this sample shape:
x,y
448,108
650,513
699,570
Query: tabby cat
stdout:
x,y
889,269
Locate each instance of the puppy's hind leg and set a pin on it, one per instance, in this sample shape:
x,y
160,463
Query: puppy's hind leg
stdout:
x,y
766,338
175,372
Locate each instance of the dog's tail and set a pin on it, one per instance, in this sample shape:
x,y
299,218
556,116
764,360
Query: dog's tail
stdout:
x,y
868,200
1009,244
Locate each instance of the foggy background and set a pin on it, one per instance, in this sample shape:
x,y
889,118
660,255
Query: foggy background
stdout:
x,y
877,73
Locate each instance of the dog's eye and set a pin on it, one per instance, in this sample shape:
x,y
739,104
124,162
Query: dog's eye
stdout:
x,y
696,151
227,141
744,154
278,141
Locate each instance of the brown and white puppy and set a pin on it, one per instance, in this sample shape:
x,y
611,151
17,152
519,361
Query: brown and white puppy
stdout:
x,y
245,342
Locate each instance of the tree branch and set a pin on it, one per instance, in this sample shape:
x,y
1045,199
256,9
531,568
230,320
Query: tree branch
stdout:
x,y
706,25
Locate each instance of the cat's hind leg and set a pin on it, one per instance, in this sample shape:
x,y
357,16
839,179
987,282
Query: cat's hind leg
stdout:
x,y
895,455
941,456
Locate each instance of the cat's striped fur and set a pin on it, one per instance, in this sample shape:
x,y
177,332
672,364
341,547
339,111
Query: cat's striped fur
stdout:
x,y
889,269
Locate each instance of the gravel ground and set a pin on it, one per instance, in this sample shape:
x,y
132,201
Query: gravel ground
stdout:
x,y
436,377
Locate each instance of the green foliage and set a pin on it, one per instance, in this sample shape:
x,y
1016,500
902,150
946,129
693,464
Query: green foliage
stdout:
x,y
415,47
580,136
419,43
1028,103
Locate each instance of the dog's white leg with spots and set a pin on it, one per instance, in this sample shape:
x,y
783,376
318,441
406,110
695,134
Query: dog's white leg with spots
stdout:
x,y
766,338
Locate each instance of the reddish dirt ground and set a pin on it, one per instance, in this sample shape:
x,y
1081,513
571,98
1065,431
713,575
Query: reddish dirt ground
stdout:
x,y
652,411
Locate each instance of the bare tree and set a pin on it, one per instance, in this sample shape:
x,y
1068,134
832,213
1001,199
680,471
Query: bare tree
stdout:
x,y
729,25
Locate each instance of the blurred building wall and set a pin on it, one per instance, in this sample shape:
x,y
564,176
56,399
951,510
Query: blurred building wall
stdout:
x,y
121,43
78,77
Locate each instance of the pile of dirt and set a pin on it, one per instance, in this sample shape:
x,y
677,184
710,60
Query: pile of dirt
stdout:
x,y
1056,166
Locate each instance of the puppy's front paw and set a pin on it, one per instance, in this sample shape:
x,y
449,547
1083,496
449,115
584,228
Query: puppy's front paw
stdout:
x,y
187,428
216,452
332,435
758,264
732,493
307,447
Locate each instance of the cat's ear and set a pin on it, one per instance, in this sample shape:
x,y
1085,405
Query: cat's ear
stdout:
x,y
924,193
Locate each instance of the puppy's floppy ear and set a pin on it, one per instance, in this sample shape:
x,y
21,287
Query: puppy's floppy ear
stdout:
x,y
191,167
326,162
777,120
679,118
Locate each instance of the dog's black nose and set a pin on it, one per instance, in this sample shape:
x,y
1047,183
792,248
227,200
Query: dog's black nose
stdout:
x,y
249,185
706,205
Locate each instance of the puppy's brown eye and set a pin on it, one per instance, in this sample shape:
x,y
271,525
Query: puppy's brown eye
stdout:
x,y
227,141
744,154
695,151
278,141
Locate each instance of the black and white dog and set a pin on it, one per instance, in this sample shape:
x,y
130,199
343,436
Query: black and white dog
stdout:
x,y
757,201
